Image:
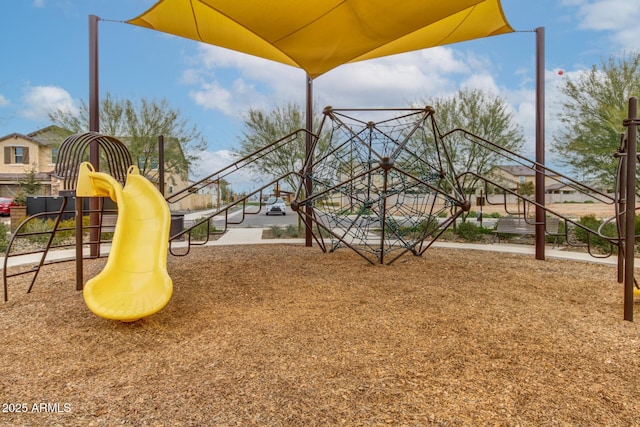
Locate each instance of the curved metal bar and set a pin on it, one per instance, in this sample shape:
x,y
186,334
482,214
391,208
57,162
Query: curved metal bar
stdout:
x,y
75,149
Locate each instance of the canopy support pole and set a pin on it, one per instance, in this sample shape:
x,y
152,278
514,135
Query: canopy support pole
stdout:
x,y
540,143
308,156
94,126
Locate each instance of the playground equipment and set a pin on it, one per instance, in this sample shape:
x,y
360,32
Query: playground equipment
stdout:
x,y
116,159
134,283
388,184
394,185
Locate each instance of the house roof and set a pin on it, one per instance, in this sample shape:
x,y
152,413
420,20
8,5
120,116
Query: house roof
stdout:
x,y
557,186
46,136
520,170
517,170
50,135
16,135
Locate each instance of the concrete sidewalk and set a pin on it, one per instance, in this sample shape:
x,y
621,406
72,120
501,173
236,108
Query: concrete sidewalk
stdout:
x,y
233,236
244,236
250,236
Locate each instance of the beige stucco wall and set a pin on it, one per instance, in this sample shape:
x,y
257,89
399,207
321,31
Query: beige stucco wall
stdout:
x,y
502,176
34,155
39,155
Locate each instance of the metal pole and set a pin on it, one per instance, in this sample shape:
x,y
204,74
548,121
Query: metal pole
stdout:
x,y
79,255
622,191
161,164
308,155
540,142
630,216
94,105
94,126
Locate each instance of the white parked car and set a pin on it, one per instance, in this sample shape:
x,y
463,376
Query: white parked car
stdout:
x,y
276,206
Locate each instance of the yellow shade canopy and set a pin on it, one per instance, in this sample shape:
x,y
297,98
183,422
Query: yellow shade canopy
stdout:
x,y
319,35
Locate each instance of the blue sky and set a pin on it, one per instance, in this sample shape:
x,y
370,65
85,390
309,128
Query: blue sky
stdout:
x,y
44,44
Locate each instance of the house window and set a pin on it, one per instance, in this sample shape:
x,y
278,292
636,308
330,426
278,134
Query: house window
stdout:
x,y
16,155
54,155
147,163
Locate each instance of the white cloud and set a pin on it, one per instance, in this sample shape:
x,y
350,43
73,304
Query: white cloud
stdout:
x,y
391,81
212,96
386,82
40,100
482,81
38,3
191,77
618,17
254,82
3,101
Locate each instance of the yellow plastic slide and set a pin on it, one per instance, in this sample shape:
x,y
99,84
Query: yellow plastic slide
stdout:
x,y
134,282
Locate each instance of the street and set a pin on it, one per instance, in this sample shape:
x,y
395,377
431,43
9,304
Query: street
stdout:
x,y
252,218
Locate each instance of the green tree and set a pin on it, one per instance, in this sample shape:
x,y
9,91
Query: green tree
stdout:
x,y
592,110
262,128
29,186
526,189
482,114
225,190
138,124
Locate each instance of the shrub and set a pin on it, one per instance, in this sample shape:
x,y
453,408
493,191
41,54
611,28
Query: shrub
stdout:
x,y
37,225
4,236
469,231
593,223
293,231
65,231
200,231
276,231
423,227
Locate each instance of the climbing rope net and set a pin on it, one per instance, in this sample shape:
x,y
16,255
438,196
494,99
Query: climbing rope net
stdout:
x,y
381,188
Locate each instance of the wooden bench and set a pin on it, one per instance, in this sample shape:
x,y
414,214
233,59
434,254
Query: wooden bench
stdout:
x,y
521,226
109,223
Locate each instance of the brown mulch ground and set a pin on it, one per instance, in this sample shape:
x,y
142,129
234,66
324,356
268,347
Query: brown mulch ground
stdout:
x,y
282,335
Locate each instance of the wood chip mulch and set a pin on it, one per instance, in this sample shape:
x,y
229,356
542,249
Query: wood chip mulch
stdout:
x,y
283,335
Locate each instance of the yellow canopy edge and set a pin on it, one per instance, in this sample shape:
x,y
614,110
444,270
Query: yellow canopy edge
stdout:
x,y
319,35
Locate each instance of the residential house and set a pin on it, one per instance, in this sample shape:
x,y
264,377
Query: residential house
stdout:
x,y
557,190
38,151
35,151
512,176
175,179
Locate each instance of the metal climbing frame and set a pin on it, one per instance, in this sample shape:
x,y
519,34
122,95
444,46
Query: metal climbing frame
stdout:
x,y
115,159
376,184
